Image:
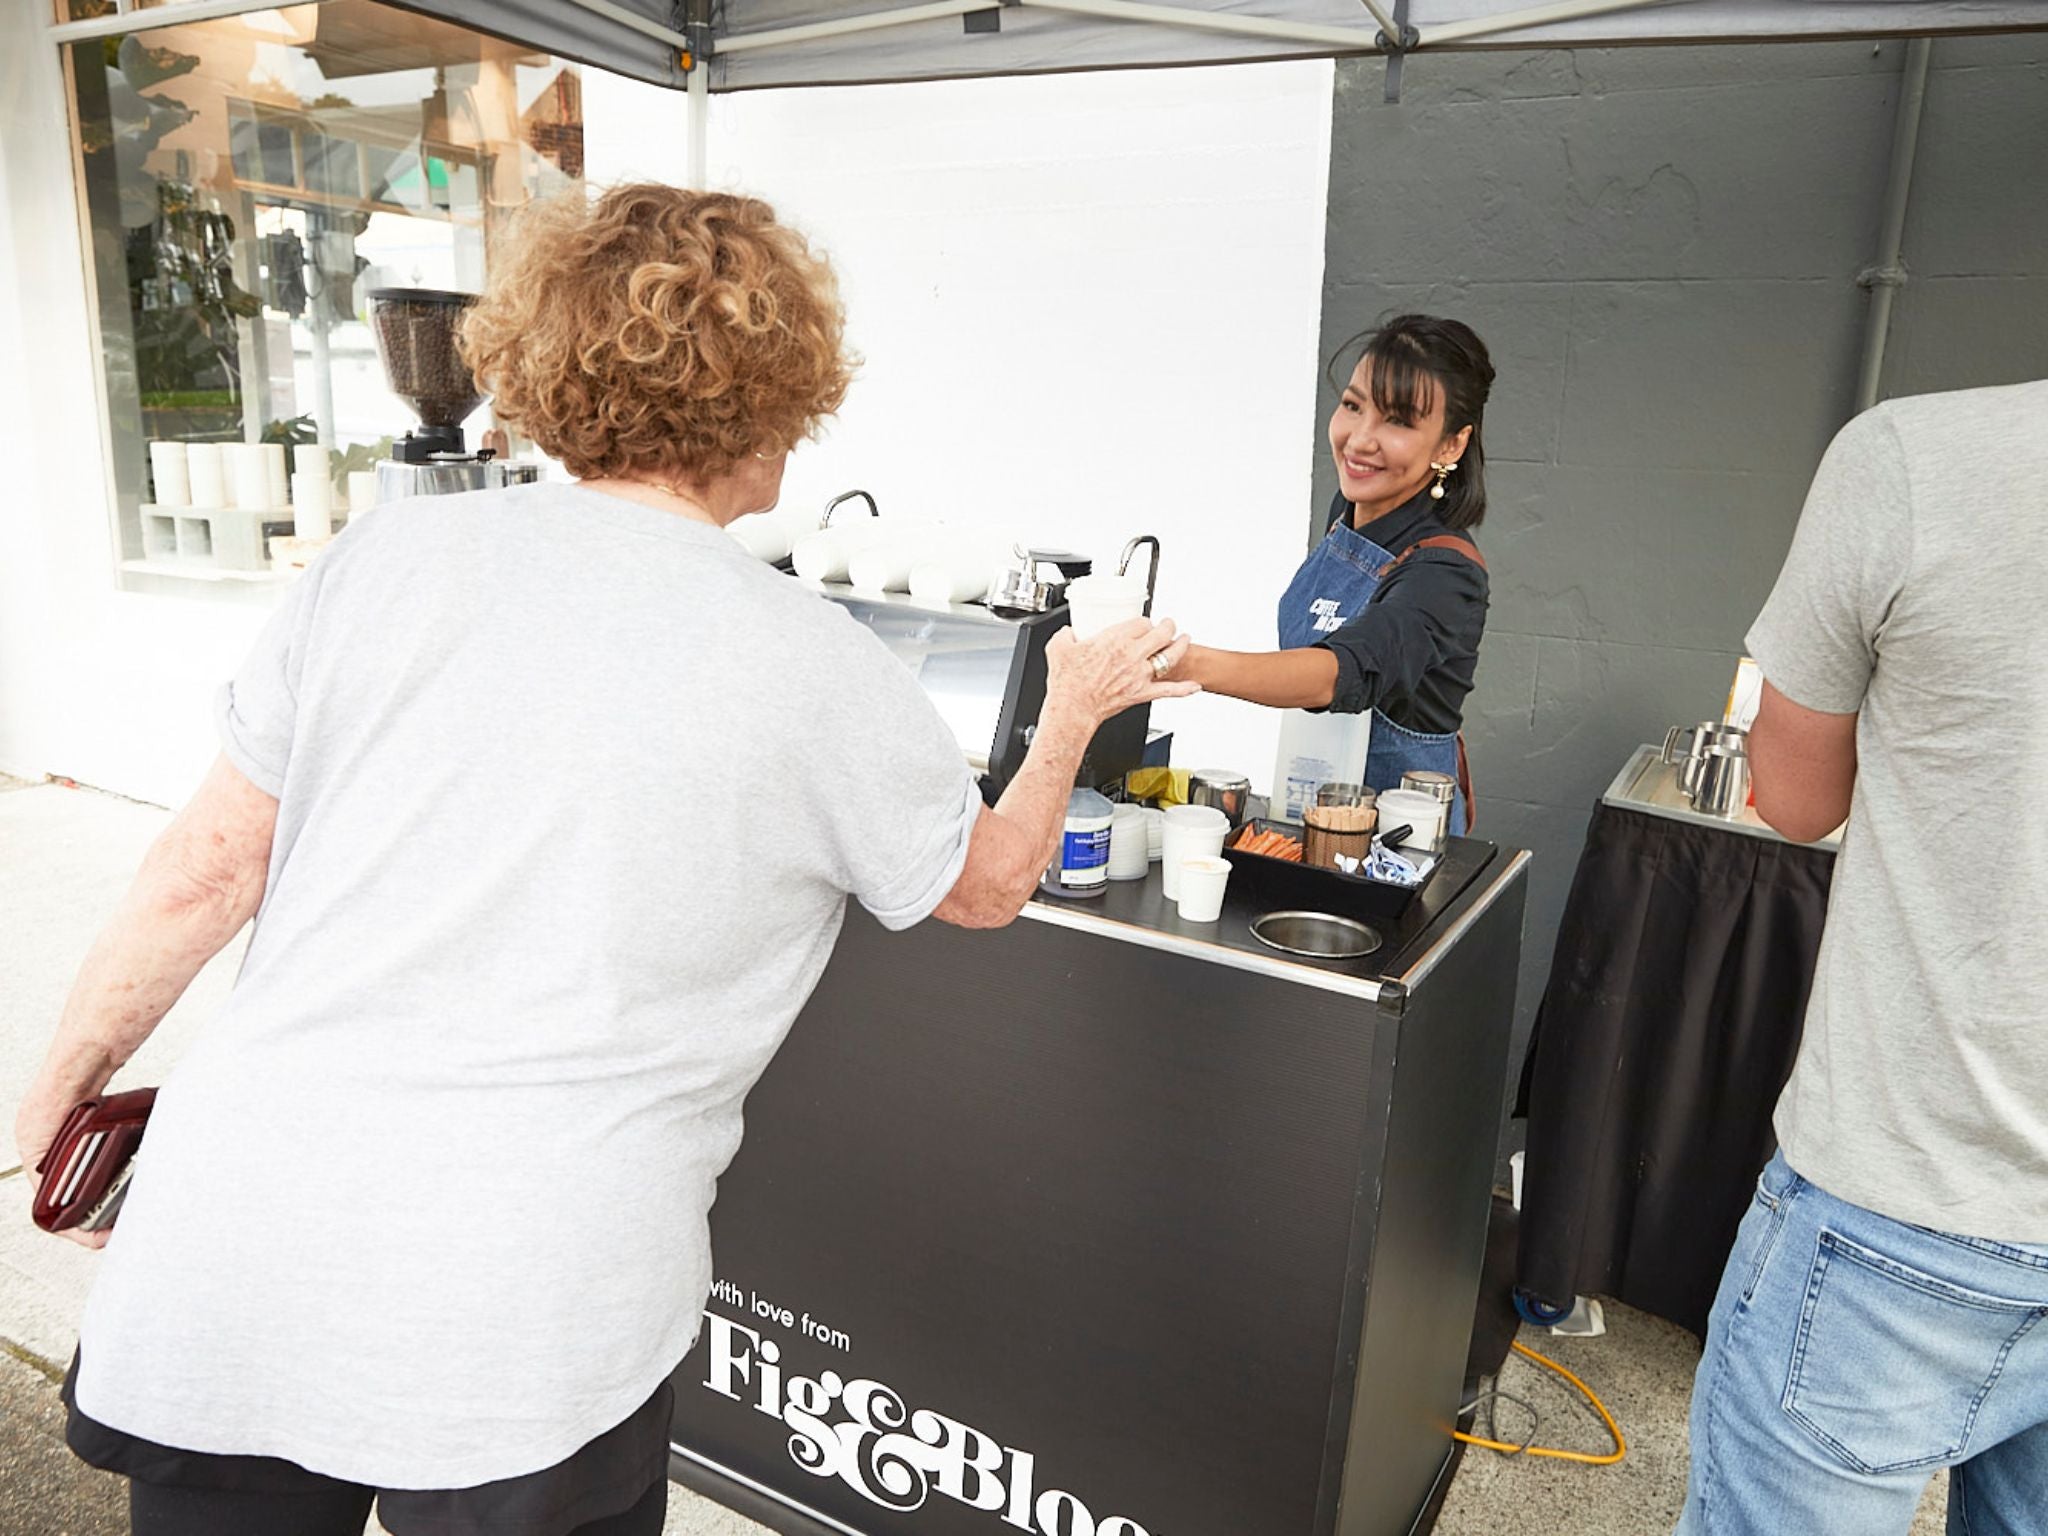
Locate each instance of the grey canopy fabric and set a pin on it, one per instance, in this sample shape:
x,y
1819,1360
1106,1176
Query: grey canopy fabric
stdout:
x,y
754,43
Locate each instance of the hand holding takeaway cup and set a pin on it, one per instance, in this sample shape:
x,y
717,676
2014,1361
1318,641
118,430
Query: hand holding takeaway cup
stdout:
x,y
1126,664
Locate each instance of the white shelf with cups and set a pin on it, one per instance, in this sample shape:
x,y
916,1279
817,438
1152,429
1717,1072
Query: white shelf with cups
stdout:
x,y
234,511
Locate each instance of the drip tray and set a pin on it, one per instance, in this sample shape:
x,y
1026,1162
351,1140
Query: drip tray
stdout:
x,y
1316,934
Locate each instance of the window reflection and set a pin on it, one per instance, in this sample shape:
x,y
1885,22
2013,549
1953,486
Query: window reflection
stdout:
x,y
249,181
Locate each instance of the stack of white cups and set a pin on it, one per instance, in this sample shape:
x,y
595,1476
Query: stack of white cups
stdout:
x,y
248,477
312,493
279,474
203,476
169,473
1129,856
1192,839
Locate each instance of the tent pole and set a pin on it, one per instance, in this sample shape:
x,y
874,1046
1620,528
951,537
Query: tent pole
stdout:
x,y
1515,21
1886,278
700,122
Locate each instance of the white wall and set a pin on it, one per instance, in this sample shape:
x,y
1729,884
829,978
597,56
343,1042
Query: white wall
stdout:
x,y
1088,305
106,687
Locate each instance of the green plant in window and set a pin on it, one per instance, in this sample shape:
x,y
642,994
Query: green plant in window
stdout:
x,y
292,431
358,456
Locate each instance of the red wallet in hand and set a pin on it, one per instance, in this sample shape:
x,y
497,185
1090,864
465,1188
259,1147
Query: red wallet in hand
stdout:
x,y
84,1175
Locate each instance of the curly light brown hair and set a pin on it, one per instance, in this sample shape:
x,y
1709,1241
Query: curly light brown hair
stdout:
x,y
658,334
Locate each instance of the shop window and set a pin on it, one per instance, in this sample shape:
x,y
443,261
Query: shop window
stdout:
x,y
247,182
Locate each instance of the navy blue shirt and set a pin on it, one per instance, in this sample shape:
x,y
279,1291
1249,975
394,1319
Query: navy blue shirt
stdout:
x,y
1411,653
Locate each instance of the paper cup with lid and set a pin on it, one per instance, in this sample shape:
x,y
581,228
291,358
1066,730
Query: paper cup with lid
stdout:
x,y
1096,603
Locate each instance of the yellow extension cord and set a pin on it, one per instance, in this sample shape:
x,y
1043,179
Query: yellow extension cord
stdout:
x,y
1620,1445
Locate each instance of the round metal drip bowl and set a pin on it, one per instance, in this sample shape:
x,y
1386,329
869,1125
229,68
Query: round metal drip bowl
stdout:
x,y
1316,934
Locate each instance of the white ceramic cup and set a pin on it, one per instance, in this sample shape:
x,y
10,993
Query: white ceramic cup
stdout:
x,y
1096,603
959,568
203,475
169,474
763,535
1201,888
936,582
1130,853
823,556
885,565
1188,832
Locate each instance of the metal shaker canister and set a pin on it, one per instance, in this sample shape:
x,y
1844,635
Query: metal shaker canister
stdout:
x,y
1224,788
1438,786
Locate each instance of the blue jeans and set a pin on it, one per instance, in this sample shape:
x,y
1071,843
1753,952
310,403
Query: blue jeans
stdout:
x,y
1848,1356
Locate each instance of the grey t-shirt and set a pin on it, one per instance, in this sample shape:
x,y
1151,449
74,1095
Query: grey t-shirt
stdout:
x,y
1916,594
571,793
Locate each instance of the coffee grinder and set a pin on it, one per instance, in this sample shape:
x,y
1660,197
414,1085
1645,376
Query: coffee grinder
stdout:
x,y
415,330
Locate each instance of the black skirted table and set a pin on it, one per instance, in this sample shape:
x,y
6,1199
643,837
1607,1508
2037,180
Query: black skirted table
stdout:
x,y
1673,1013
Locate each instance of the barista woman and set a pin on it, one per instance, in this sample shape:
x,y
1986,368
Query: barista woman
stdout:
x,y
1387,612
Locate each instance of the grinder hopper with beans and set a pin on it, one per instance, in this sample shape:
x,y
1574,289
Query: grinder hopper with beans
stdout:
x,y
415,330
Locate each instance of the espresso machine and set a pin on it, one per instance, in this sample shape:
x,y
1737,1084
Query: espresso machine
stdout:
x,y
416,330
983,664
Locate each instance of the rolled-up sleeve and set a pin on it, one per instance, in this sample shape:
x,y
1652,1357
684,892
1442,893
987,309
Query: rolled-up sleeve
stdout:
x,y
1417,622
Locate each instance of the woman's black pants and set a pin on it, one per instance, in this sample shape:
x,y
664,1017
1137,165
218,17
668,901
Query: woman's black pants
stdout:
x,y
324,1507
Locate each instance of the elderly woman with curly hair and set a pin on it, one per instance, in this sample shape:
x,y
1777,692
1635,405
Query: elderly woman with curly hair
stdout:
x,y
422,1216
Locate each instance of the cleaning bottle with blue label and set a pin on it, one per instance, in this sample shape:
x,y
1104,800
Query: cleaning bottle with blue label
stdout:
x,y
1081,867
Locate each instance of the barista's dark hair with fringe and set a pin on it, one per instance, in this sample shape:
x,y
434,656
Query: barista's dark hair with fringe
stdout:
x,y
1416,358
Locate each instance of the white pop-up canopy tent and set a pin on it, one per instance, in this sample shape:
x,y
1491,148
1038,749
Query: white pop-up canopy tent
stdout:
x,y
707,46
749,44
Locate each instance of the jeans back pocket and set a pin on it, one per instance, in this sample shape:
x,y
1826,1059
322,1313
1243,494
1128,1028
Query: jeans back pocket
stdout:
x,y
1891,1364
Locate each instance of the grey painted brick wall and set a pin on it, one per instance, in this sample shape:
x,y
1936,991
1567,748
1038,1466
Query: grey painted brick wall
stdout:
x,y
1660,247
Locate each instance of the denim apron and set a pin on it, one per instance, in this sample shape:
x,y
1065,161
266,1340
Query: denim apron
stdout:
x,y
1332,587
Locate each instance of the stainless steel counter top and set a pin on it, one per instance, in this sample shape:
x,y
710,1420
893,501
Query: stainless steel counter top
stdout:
x,y
1137,912
1646,784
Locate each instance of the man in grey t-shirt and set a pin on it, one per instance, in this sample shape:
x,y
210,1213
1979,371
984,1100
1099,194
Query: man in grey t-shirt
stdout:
x,y
1879,1316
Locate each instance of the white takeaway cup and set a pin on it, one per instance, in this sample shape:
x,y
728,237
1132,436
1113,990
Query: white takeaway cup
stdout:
x,y
1201,888
1188,832
203,476
1096,603
169,474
